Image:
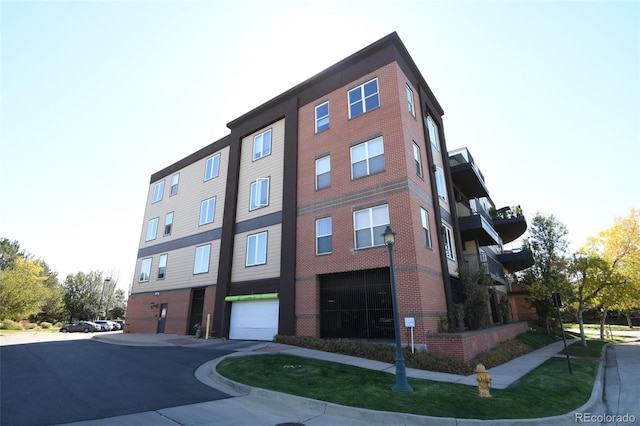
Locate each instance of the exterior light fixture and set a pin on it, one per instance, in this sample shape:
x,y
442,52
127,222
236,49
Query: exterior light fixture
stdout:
x,y
401,371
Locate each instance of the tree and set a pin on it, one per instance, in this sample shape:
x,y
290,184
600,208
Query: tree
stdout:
x,y
548,274
21,289
82,295
9,251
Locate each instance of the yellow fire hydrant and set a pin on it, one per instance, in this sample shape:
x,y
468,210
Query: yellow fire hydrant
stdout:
x,y
484,380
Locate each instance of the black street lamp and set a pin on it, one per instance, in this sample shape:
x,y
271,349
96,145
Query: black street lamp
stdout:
x,y
104,283
401,372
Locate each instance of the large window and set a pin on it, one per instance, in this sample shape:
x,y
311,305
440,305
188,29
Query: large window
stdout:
x,y
256,249
174,184
416,159
152,229
201,263
367,158
262,145
162,266
158,190
168,223
323,172
433,133
440,185
259,194
324,243
207,211
212,168
424,217
145,269
448,242
363,98
369,225
410,104
322,117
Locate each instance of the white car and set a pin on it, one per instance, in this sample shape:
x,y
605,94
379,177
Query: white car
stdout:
x,y
104,325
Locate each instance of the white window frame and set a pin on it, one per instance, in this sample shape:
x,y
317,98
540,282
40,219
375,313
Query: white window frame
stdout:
x,y
323,172
257,257
410,103
426,232
162,266
449,247
260,149
212,167
145,269
320,120
417,159
363,99
202,259
375,229
168,223
158,191
258,189
434,136
152,229
441,185
207,209
174,184
319,235
367,157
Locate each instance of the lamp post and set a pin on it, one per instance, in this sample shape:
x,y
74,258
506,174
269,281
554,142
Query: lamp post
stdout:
x,y
401,372
104,284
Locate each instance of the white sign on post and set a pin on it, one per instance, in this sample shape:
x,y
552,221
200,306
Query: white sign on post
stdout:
x,y
410,322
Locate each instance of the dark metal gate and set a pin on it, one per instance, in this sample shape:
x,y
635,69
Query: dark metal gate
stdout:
x,y
356,305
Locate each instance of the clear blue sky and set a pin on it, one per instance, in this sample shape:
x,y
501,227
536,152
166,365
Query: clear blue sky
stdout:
x,y
97,96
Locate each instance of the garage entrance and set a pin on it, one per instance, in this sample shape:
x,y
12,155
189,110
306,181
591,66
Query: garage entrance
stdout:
x,y
254,317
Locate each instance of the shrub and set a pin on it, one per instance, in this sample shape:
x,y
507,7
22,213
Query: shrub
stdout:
x,y
29,326
10,325
45,325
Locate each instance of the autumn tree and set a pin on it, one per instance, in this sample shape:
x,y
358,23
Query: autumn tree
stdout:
x,y
21,289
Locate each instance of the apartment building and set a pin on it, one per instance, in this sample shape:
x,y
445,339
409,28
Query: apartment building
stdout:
x,y
277,227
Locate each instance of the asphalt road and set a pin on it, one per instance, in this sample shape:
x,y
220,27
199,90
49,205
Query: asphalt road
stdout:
x,y
71,380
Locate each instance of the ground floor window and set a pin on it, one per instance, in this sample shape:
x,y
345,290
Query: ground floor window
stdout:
x,y
357,305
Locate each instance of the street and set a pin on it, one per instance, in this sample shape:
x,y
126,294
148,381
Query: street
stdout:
x,y
72,378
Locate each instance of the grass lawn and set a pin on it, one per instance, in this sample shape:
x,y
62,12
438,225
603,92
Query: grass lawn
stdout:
x,y
547,391
35,330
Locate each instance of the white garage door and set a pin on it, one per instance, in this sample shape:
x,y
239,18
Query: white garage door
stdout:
x,y
254,319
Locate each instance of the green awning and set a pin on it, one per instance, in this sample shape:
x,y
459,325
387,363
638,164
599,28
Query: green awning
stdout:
x,y
263,296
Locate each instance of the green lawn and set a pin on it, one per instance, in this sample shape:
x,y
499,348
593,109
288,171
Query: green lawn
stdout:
x,y
547,391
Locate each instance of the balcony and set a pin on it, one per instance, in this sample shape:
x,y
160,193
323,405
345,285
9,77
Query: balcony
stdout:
x,y
517,260
509,222
466,175
489,265
477,226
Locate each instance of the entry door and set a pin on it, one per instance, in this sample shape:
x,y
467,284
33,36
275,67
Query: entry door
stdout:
x,y
163,317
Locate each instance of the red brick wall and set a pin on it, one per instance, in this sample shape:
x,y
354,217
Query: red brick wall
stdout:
x,y
468,345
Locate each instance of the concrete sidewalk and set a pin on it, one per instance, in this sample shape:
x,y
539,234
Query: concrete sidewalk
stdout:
x,y
252,406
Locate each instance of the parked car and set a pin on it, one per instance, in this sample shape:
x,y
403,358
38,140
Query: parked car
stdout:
x,y
104,325
116,325
84,326
120,323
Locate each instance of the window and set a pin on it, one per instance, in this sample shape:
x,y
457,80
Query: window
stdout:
x,y
174,184
322,117
145,269
440,185
324,244
425,227
416,158
207,211
410,104
367,158
201,263
162,266
157,191
152,229
212,168
256,249
259,194
168,223
363,98
323,172
433,133
448,241
262,145
369,225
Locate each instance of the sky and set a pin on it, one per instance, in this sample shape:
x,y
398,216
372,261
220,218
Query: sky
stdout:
x,y
98,95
